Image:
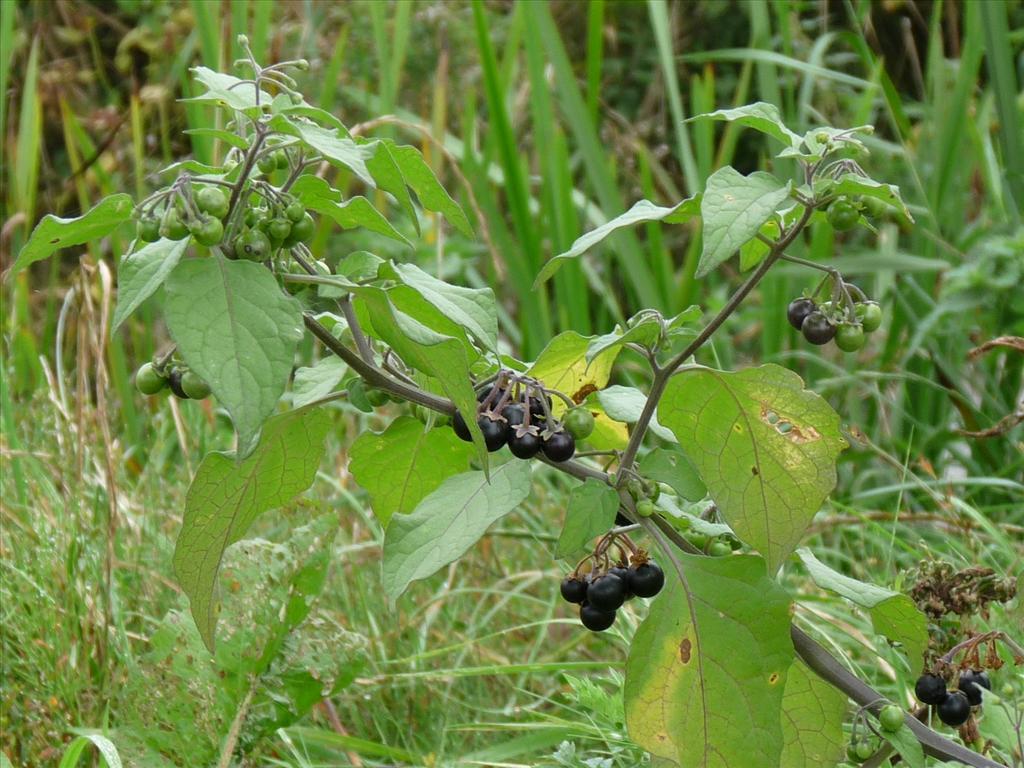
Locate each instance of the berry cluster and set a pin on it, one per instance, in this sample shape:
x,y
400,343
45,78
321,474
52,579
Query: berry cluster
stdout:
x,y
151,378
516,411
601,593
845,322
184,211
952,707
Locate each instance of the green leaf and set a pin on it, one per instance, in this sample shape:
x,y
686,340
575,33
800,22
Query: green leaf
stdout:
x,y
670,466
733,209
909,748
590,513
563,365
86,736
641,212
437,355
645,333
226,497
338,150
764,446
141,273
893,614
404,463
229,91
625,404
219,133
449,521
359,265
475,309
760,116
238,331
432,195
53,233
388,176
812,721
755,249
313,382
707,668
317,195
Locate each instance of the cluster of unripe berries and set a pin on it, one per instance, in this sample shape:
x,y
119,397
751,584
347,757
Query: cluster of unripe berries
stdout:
x,y
862,747
823,323
518,414
201,216
281,221
953,707
184,383
600,594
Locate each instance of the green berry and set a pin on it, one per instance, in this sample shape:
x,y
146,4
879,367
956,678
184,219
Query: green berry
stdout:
x,y
698,539
720,549
281,159
193,386
278,229
148,380
579,422
891,718
294,211
267,163
252,245
843,215
148,229
849,337
376,397
645,508
172,227
212,200
864,750
207,230
870,315
302,230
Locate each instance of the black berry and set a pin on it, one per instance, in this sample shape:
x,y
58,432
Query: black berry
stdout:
x,y
560,446
495,433
595,619
514,415
606,593
524,446
174,382
798,311
535,405
574,590
818,329
954,709
930,689
623,573
483,393
461,428
971,683
646,580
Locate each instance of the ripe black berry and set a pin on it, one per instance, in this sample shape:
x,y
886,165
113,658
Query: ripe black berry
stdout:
x,y
524,446
535,405
930,689
623,573
954,709
513,415
560,446
606,593
461,428
971,683
818,329
798,311
483,393
646,580
174,382
595,619
574,590
495,433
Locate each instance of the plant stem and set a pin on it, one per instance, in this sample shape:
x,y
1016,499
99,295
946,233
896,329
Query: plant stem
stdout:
x,y
231,740
664,373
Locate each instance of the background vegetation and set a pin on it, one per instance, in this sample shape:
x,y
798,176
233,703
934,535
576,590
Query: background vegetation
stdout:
x,y
545,120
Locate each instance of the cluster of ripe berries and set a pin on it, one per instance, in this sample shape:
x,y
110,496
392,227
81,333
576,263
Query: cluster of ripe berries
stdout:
x,y
953,707
600,595
825,323
519,415
184,383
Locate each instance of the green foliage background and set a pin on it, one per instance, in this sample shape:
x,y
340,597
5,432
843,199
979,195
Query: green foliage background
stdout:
x,y
544,120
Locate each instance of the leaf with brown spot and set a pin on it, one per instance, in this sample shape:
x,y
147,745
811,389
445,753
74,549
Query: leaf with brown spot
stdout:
x,y
699,687
765,447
